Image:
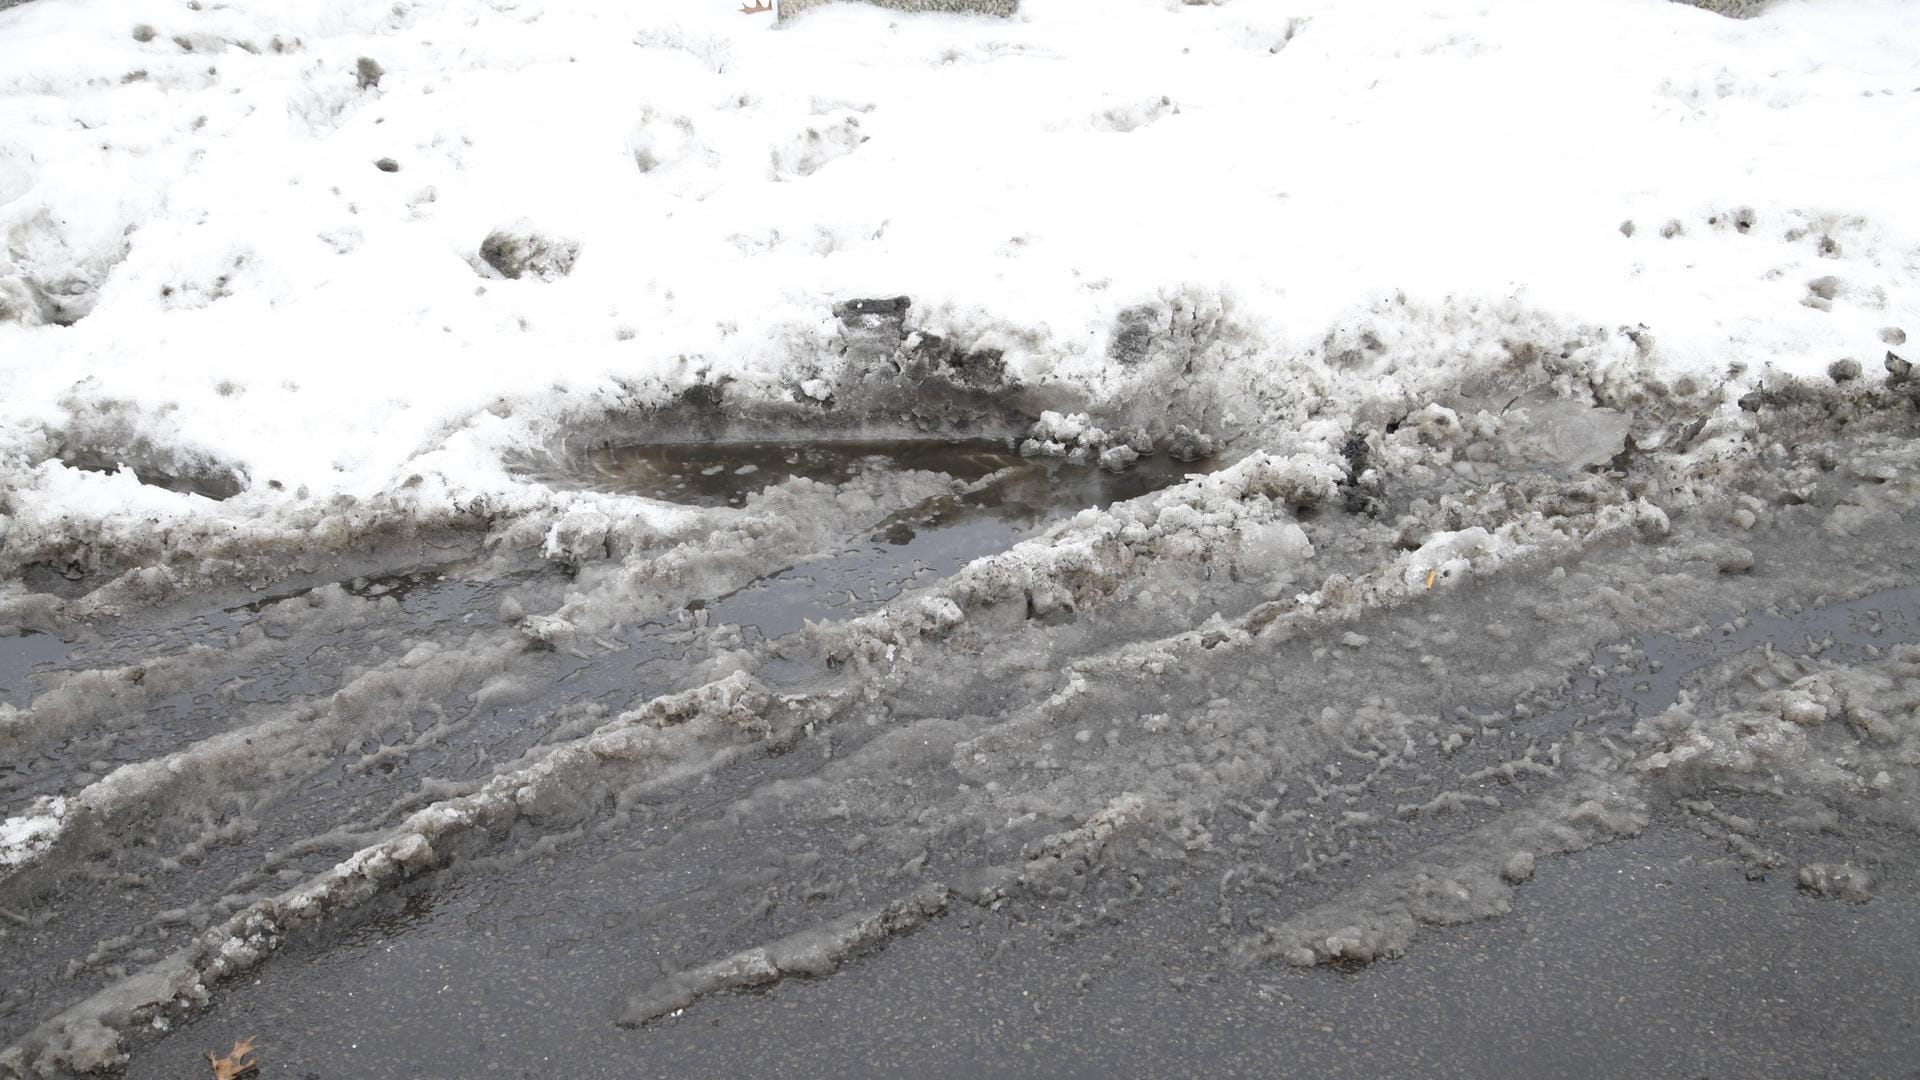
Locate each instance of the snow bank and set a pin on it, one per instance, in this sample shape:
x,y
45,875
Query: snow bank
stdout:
x,y
246,248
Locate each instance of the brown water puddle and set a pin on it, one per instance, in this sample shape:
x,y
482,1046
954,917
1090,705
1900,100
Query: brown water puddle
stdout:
x,y
725,473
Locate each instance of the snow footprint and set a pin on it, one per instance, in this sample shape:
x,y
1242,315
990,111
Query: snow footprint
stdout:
x,y
810,151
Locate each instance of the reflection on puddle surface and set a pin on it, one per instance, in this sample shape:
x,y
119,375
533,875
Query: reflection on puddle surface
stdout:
x,y
398,586
19,654
927,542
725,473
1006,498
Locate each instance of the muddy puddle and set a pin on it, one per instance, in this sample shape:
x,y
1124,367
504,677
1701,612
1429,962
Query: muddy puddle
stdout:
x,y
1003,499
997,499
726,473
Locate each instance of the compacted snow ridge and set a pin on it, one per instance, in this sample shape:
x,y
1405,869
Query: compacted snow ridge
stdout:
x,y
1394,445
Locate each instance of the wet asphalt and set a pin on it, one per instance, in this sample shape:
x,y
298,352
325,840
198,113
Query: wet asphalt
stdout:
x,y
1663,955
1655,957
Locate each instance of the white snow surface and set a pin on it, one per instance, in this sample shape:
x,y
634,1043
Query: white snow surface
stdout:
x,y
1425,172
24,837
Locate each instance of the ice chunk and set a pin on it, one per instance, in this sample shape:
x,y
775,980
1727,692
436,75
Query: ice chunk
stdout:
x,y
1839,881
25,837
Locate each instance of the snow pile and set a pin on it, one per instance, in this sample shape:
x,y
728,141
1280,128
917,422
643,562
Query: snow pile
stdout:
x,y
281,248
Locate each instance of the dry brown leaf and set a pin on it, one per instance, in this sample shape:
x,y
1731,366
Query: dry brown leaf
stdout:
x,y
238,1064
757,7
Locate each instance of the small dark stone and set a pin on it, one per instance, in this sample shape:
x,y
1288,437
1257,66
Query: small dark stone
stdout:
x,y
387,164
518,251
1626,228
1893,335
367,72
1751,402
1843,370
1826,288
1898,370
144,33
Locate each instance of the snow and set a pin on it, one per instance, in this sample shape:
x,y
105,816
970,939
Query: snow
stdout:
x,y
1302,182
24,837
